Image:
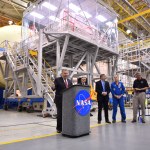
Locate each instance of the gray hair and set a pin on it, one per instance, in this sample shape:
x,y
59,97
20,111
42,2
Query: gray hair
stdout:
x,y
64,70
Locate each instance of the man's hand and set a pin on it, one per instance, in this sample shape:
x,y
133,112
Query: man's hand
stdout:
x,y
104,93
137,89
118,96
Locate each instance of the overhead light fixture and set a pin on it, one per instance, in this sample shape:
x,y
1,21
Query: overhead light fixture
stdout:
x,y
85,14
116,20
109,23
54,18
37,15
128,31
49,6
101,18
74,7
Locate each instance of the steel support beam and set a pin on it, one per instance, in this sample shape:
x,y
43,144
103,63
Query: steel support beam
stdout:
x,y
147,66
98,70
57,58
63,51
134,16
114,67
125,10
94,58
39,89
88,66
78,64
136,11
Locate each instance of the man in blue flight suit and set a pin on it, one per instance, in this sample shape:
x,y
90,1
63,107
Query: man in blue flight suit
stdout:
x,y
117,90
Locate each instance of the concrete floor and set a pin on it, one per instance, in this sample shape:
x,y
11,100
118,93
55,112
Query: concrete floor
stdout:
x,y
109,137
29,132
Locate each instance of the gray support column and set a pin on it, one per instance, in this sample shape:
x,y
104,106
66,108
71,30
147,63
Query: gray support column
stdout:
x,y
25,83
109,69
93,61
88,66
63,52
70,62
6,76
39,89
57,58
115,66
15,86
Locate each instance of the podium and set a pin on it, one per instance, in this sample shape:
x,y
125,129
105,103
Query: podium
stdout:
x,y
76,111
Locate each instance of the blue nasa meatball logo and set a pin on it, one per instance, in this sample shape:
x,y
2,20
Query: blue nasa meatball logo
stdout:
x,y
83,103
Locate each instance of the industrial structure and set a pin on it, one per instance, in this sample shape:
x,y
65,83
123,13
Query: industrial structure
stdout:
x,y
134,57
66,39
88,38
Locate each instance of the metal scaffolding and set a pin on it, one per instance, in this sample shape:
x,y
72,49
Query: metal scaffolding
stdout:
x,y
66,39
134,57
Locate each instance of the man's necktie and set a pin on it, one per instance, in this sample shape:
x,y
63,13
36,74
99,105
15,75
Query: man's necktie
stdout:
x,y
66,84
103,86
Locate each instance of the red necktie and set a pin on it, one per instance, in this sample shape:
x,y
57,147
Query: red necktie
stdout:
x,y
66,84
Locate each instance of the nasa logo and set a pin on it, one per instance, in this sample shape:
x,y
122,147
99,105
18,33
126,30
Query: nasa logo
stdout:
x,y
83,103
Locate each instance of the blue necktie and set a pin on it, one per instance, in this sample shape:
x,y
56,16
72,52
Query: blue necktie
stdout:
x,y
103,83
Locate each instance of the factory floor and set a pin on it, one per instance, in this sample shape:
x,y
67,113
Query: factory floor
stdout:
x,y
30,132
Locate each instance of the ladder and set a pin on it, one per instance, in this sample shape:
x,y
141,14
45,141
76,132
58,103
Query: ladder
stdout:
x,y
20,59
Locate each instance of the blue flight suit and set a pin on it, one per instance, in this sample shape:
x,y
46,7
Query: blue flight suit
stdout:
x,y
118,90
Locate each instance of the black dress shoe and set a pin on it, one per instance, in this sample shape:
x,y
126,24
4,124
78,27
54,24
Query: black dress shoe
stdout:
x,y
59,131
133,121
108,122
143,121
91,115
123,121
99,122
114,121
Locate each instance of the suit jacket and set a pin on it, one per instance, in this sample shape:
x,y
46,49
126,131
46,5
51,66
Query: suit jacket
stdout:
x,y
99,90
60,87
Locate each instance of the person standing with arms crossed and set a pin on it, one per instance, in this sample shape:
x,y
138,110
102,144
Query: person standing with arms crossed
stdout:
x,y
140,86
117,90
103,90
61,84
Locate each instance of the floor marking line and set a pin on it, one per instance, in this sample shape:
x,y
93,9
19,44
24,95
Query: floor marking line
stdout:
x,y
46,135
28,139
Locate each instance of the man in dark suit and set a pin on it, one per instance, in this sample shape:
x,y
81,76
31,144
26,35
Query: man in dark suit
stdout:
x,y
61,84
103,90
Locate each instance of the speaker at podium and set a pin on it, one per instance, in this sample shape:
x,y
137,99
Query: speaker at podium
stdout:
x,y
76,111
